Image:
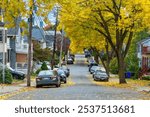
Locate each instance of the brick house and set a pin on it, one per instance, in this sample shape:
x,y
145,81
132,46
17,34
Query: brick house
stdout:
x,y
143,53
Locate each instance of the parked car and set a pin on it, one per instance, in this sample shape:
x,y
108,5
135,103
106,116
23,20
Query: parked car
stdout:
x,y
91,61
66,70
100,75
87,54
15,74
94,68
92,64
47,77
62,75
72,56
69,60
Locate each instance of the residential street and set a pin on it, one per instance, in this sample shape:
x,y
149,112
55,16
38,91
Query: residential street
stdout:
x,y
83,89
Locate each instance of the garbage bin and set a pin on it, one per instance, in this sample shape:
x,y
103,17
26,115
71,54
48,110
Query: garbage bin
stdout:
x,y
127,74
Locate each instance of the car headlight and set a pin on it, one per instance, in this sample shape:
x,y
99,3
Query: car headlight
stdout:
x,y
53,78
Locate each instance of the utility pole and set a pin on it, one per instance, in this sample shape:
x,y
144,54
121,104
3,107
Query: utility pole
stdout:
x,y
30,44
3,40
3,55
61,47
54,43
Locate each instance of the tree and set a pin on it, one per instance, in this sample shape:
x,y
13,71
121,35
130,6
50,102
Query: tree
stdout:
x,y
44,66
40,54
22,8
115,20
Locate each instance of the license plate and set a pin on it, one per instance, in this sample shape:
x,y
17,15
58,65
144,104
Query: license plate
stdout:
x,y
46,78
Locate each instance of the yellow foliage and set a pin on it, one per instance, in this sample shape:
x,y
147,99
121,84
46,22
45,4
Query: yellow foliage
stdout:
x,y
82,20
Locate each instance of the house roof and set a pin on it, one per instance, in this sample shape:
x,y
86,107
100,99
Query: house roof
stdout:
x,y
144,41
37,33
12,31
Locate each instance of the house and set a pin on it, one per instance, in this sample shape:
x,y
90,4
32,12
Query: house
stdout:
x,y
65,44
19,49
39,35
143,54
50,40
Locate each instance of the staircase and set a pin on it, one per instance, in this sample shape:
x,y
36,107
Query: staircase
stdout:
x,y
143,71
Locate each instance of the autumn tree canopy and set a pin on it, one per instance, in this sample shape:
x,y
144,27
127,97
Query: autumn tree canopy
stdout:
x,y
115,20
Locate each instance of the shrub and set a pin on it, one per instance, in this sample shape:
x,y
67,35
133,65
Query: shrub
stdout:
x,y
44,66
8,76
37,72
146,77
113,66
132,64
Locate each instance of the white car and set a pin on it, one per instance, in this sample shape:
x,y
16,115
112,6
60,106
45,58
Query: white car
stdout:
x,y
94,68
100,75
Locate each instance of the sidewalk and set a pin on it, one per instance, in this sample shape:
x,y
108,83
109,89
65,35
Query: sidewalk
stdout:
x,y
7,89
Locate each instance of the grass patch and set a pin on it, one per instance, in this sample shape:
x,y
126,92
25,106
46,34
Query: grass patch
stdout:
x,y
6,96
131,83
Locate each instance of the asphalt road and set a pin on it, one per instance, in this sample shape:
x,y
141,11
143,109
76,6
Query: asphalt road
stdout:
x,y
83,89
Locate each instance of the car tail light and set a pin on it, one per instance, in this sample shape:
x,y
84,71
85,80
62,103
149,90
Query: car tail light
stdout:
x,y
53,78
38,79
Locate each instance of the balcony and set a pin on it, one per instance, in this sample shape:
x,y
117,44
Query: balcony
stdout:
x,y
23,48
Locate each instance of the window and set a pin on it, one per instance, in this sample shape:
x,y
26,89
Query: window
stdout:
x,y
1,57
19,66
1,35
8,55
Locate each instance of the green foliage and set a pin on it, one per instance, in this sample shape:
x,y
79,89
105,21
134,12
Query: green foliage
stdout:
x,y
113,66
39,53
44,66
146,77
8,77
37,72
132,64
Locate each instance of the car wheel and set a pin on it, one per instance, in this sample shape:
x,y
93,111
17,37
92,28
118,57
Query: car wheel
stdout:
x,y
37,86
106,80
58,85
65,81
16,77
22,78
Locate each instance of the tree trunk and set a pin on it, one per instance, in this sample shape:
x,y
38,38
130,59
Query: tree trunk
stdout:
x,y
96,56
29,48
121,68
107,67
107,59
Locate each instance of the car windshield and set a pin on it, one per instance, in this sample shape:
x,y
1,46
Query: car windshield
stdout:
x,y
101,72
47,73
60,72
64,67
95,67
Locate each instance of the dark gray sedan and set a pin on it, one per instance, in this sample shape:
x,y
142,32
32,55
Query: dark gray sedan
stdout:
x,y
66,70
62,75
100,75
48,77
